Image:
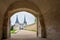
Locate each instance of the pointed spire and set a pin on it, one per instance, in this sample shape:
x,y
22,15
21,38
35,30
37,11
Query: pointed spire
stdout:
x,y
25,22
17,21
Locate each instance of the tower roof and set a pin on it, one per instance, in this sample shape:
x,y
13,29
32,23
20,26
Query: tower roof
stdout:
x,y
17,21
25,22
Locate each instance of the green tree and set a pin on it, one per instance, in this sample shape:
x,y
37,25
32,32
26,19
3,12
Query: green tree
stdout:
x,y
11,28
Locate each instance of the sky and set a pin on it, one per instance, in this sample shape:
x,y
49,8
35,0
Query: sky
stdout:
x,y
29,17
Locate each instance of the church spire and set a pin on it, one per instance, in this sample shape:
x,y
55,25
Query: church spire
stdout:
x,y
25,22
17,21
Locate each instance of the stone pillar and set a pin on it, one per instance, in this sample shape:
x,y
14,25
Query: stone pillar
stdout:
x,y
38,27
8,28
4,36
43,28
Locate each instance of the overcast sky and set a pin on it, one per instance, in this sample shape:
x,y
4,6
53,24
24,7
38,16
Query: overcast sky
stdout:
x,y
29,17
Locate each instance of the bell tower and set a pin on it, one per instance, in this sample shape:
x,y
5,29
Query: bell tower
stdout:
x,y
17,21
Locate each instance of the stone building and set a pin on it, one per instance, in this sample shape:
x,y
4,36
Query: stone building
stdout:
x,y
18,25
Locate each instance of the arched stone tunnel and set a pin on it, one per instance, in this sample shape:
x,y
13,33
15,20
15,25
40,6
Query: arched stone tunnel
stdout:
x,y
47,12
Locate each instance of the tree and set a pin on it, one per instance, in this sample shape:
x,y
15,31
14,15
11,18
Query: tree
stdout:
x,y
11,28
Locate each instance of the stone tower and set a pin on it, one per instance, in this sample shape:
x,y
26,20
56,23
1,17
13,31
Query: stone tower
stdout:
x,y
17,21
17,25
25,22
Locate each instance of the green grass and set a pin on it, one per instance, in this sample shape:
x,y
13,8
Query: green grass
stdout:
x,y
31,30
12,31
34,30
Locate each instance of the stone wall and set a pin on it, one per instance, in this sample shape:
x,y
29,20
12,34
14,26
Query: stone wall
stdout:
x,y
51,12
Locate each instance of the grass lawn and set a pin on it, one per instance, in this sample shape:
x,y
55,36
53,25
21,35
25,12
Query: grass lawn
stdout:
x,y
31,28
12,31
34,30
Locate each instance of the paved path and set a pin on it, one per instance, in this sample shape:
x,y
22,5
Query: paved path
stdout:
x,y
24,34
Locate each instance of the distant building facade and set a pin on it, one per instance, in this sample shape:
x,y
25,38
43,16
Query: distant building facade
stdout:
x,y
19,26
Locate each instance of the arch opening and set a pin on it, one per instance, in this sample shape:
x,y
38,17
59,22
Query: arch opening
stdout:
x,y
32,8
27,31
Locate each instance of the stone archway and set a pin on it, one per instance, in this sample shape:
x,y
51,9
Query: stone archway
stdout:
x,y
35,33
23,6
22,9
